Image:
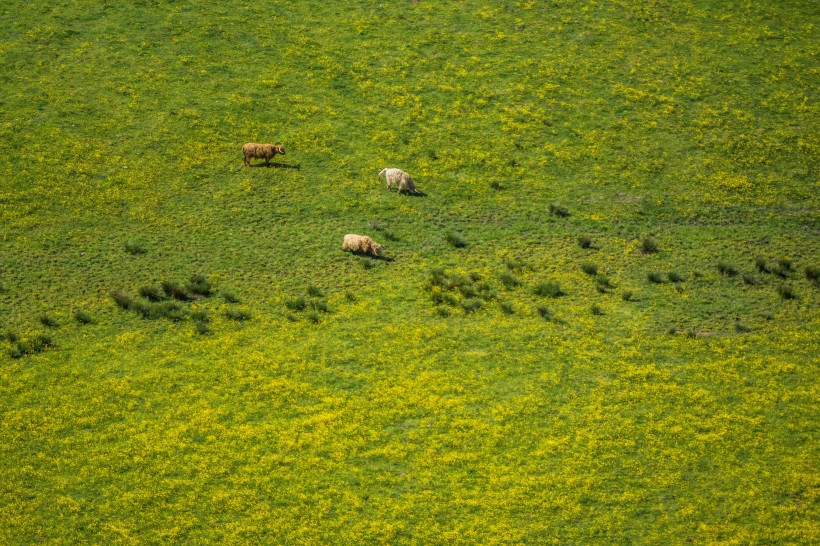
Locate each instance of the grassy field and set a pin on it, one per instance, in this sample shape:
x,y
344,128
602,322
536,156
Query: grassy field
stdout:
x,y
598,323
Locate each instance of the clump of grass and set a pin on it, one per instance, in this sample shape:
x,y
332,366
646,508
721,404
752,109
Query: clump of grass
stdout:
x,y
313,317
558,210
350,296
366,263
548,289
455,239
10,336
496,185
155,310
122,299
654,277
319,305
675,277
506,308
514,265
314,292
471,305
42,342
596,310
813,274
83,317
603,283
229,296
134,248
201,316
589,268
442,312
508,279
296,304
691,333
649,246
751,280
467,291
49,321
291,317
151,293
784,268
741,328
584,242
726,269
175,291
543,311
199,285
238,315
787,292
202,328
627,295
762,266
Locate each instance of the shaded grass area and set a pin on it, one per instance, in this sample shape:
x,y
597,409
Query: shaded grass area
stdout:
x,y
337,403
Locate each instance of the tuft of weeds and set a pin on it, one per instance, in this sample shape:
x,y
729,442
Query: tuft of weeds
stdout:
x,y
675,277
603,283
813,274
49,321
506,308
199,285
122,299
319,305
726,269
787,292
443,312
229,296
471,305
313,317
596,310
543,311
589,268
514,265
751,280
134,248
468,291
627,295
366,263
691,333
291,317
508,279
201,316
584,242
238,315
296,304
557,210
175,291
654,277
314,292
151,293
10,336
351,296
784,268
496,185
649,246
455,239
741,328
155,310
548,289
762,266
41,342
83,317
202,328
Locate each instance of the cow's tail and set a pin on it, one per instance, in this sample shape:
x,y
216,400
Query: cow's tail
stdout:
x,y
380,173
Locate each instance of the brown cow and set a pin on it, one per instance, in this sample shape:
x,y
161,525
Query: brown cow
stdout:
x,y
261,151
361,244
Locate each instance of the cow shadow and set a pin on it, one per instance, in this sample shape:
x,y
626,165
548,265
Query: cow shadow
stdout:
x,y
298,166
386,259
416,194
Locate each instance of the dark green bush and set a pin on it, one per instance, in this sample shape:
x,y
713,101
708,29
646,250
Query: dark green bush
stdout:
x,y
314,292
654,277
496,185
319,305
229,296
584,242
548,289
442,311
41,342
543,311
726,269
83,317
589,268
122,299
674,276
455,239
558,210
201,316
202,328
603,283
506,308
813,274
761,265
596,310
350,296
514,265
296,304
134,248
10,336
787,292
313,317
237,315
49,321
199,285
751,280
741,328
151,293
471,305
627,295
649,246
508,279
175,291
367,263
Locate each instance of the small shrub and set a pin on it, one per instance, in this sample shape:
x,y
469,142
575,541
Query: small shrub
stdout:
x,y
603,283
741,328
654,277
543,312
296,304
122,299
726,269
785,264
41,342
467,291
674,276
596,310
175,291
506,308
20,350
237,315
313,317
291,317
350,296
455,239
471,305
83,317
589,268
199,285
366,263
442,311
134,248
751,280
813,274
319,305
151,293
49,321
787,292
201,316
584,242
509,280
691,333
761,265
627,295
314,292
558,210
202,328
496,185
549,289
229,297
514,265
649,246
10,336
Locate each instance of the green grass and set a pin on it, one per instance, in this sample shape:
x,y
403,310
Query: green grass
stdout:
x,y
422,407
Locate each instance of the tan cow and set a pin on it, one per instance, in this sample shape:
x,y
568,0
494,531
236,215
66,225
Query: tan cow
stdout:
x,y
253,150
361,244
398,178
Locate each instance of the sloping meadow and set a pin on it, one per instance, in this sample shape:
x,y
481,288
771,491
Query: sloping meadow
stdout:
x,y
596,323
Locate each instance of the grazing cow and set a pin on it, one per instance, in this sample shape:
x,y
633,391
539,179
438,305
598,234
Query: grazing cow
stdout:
x,y
398,178
261,151
361,244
